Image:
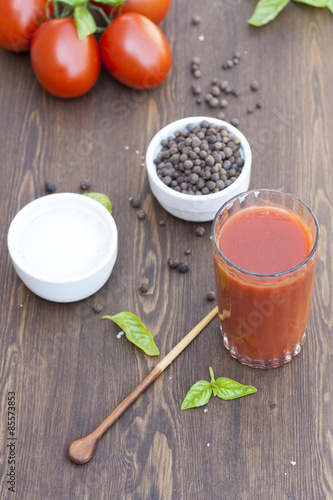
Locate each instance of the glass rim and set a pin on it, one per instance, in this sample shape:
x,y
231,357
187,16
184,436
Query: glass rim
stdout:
x,y
265,275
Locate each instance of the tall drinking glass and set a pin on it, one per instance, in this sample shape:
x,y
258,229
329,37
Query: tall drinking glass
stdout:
x,y
265,251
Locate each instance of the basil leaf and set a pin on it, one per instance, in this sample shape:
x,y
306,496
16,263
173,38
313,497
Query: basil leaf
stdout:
x,y
266,11
199,395
102,199
330,5
314,3
84,21
135,332
225,388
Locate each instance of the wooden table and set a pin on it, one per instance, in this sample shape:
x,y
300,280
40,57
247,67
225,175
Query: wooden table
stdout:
x,y
69,370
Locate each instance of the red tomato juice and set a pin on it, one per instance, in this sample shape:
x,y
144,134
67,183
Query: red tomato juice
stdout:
x,y
263,289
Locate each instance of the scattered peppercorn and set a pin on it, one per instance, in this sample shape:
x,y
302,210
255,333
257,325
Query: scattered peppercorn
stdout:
x,y
234,122
196,19
135,202
143,288
210,296
84,185
50,187
258,105
97,307
200,231
188,252
161,223
196,90
254,86
141,215
182,267
213,102
250,109
172,263
216,91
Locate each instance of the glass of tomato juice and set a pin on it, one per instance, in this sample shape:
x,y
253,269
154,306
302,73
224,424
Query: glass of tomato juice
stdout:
x,y
265,251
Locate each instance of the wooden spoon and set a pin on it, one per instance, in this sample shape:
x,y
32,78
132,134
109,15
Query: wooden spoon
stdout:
x,y
82,450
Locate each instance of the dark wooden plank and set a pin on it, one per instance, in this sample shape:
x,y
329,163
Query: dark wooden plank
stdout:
x,y
67,367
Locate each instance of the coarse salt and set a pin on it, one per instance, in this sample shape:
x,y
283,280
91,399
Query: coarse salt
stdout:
x,y
63,243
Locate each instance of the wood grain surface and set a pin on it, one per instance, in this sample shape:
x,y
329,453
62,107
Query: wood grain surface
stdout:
x,y
69,370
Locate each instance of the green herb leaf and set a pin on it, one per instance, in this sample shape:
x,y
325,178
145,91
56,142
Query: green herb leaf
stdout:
x,y
266,11
330,5
135,332
199,395
84,21
102,199
225,388
313,3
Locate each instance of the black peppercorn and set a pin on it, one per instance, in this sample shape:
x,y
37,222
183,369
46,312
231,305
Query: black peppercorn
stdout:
x,y
172,263
200,231
182,267
135,202
50,187
141,215
84,185
210,296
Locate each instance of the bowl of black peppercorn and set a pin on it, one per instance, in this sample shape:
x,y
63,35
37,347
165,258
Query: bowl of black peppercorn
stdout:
x,y
195,164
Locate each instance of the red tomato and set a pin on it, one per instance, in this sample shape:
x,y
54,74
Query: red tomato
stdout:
x,y
19,19
64,65
135,51
156,10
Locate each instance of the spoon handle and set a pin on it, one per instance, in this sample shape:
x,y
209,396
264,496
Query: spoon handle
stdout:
x,y
82,450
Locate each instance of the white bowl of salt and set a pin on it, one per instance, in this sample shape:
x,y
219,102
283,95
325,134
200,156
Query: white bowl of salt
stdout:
x,y
63,246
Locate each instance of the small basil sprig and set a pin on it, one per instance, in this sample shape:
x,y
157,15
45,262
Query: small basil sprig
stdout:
x,y
224,388
102,199
135,332
267,10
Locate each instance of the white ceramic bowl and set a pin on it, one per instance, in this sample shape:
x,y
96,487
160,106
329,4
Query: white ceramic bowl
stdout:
x,y
63,246
192,207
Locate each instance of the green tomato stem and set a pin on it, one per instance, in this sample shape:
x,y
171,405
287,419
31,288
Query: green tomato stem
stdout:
x,y
55,8
101,12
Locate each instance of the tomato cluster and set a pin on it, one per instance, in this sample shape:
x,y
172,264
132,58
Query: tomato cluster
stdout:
x,y
132,47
